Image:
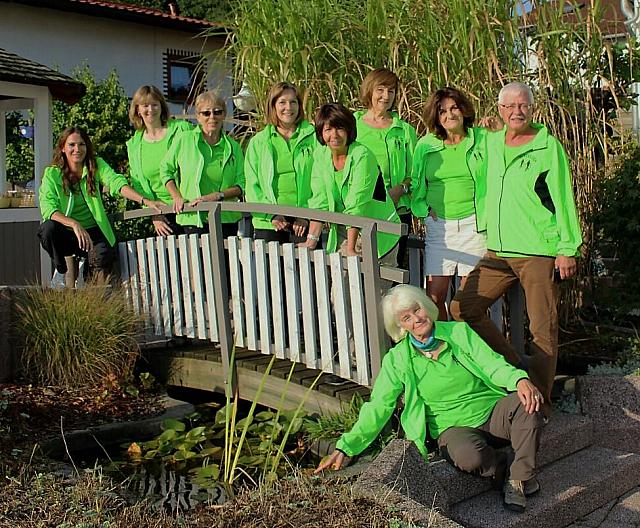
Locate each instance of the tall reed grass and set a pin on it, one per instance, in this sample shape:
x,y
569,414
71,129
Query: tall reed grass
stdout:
x,y
76,337
328,46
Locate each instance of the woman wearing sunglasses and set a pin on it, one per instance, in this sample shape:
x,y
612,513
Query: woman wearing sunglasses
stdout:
x,y
155,133
278,165
207,166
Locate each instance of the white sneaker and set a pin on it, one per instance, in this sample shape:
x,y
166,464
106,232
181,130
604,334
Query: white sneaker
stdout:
x,y
57,281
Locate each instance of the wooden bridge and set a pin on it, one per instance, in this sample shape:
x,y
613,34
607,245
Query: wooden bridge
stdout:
x,y
317,313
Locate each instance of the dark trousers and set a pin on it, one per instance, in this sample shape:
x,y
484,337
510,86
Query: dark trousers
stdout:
x,y
472,449
60,242
487,282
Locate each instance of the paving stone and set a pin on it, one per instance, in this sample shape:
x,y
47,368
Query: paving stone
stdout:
x,y
595,518
627,510
571,487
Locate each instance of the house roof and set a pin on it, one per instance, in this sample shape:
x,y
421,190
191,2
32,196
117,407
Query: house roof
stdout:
x,y
14,68
130,13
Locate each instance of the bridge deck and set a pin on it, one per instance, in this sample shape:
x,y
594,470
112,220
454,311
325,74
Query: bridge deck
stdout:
x,y
201,368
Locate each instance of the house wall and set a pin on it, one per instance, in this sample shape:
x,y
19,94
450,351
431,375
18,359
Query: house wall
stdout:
x,y
65,40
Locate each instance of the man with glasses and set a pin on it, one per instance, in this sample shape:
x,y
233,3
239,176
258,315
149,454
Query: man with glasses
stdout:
x,y
533,236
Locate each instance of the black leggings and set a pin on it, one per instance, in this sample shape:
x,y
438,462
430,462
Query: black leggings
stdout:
x,y
60,242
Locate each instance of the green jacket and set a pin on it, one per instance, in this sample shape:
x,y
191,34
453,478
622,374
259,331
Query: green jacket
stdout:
x,y
134,152
530,208
362,189
259,169
400,141
185,164
476,158
53,198
403,370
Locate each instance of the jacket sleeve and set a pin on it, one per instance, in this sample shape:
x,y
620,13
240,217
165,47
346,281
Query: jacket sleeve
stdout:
x,y
239,156
169,166
412,140
561,190
47,195
419,184
253,190
490,363
107,176
375,413
318,199
134,174
480,176
362,180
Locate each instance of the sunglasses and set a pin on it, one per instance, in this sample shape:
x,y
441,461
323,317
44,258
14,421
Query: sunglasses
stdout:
x,y
215,112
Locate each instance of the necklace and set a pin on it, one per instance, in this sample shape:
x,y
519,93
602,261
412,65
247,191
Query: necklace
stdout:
x,y
428,347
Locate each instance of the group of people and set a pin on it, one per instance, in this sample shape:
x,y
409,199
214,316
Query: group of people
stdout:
x,y
498,208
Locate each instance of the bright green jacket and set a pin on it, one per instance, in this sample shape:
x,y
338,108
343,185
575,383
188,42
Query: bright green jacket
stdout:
x,y
475,156
530,208
401,142
134,151
404,369
363,188
184,163
53,198
260,170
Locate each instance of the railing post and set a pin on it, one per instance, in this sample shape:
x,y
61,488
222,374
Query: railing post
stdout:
x,y
219,270
372,297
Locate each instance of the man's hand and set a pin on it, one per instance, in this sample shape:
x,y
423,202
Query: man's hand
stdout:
x,y
161,226
396,192
280,223
567,266
529,395
299,226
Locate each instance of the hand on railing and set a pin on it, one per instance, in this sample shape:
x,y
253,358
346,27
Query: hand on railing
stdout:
x,y
178,204
156,205
280,223
161,226
300,226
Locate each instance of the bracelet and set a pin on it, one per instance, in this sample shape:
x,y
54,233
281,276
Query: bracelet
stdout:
x,y
220,196
142,201
313,237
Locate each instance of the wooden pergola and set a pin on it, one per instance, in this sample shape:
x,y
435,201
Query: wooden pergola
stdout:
x,y
28,85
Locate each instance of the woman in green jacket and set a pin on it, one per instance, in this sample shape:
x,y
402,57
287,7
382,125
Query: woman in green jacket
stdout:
x,y
207,165
155,133
391,139
278,165
346,179
455,388
75,222
448,191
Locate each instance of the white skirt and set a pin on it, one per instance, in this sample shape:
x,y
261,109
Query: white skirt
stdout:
x,y
453,246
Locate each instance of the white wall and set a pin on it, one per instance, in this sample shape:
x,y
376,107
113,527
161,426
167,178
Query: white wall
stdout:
x,y
64,40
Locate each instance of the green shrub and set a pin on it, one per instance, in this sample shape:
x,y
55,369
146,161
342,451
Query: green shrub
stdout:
x,y
77,337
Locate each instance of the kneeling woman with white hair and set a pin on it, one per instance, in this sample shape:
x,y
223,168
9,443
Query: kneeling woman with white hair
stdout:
x,y
455,387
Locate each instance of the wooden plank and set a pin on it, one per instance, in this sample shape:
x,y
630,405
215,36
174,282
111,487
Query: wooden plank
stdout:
x,y
277,299
342,315
249,288
236,290
208,286
176,284
197,285
324,309
132,259
264,301
165,291
187,294
358,316
125,278
293,300
416,278
154,284
308,310
144,285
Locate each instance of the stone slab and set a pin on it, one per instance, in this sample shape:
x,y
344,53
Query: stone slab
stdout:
x,y
564,434
613,404
571,488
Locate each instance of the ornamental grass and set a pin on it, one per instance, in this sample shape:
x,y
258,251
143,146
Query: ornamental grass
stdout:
x,y
77,337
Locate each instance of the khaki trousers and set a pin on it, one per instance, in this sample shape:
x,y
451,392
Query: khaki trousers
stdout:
x,y
472,449
487,282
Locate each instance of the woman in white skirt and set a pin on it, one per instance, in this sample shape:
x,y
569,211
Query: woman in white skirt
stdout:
x,y
447,191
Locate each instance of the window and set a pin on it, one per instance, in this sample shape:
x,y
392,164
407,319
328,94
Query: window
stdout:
x,y
184,75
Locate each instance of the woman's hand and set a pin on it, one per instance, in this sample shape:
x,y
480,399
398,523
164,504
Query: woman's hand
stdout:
x,y
178,204
433,214
335,460
211,197
154,204
280,223
300,226
309,244
396,192
84,240
491,123
529,395
161,226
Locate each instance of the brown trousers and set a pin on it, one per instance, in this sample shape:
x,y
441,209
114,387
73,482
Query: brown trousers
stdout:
x,y
472,449
487,282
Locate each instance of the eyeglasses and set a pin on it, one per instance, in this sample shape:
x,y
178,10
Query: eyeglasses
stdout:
x,y
523,106
215,112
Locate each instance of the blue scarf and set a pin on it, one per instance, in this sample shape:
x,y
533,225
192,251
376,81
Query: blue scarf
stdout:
x,y
431,343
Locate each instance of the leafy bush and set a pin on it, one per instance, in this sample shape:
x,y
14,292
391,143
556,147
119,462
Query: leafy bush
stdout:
x,y
77,337
19,150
